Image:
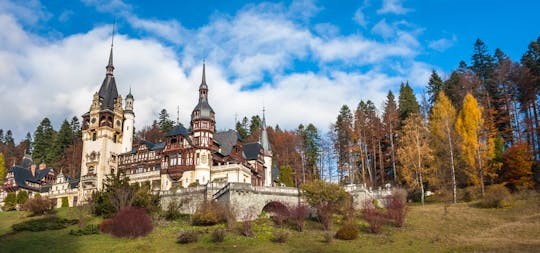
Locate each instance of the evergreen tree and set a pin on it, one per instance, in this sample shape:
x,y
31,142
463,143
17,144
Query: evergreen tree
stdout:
x,y
435,85
343,129
407,102
44,137
2,168
285,176
165,124
64,138
482,62
241,130
75,126
311,147
529,89
1,136
8,139
254,128
28,144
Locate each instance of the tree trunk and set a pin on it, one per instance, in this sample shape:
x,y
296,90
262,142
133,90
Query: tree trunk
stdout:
x,y
393,156
453,170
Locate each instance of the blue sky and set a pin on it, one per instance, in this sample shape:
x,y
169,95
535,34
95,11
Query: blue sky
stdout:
x,y
300,59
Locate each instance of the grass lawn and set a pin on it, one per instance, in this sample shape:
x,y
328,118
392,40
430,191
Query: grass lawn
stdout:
x,y
429,228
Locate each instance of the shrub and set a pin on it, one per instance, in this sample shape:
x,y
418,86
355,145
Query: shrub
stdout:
x,y
87,230
299,214
10,202
326,197
38,206
280,236
218,235
497,196
65,202
373,216
470,194
22,197
400,194
348,232
144,198
173,212
187,236
106,226
208,214
278,212
194,184
47,223
130,222
397,210
327,237
247,228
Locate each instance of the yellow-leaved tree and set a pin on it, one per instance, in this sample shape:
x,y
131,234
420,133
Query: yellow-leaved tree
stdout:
x,y
414,153
441,125
476,141
2,168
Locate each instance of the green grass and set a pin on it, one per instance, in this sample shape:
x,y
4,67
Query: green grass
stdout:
x,y
462,228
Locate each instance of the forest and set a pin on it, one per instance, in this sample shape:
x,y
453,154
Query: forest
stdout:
x,y
477,126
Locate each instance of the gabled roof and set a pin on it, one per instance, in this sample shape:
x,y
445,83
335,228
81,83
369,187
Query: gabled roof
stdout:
x,y
251,150
226,141
23,175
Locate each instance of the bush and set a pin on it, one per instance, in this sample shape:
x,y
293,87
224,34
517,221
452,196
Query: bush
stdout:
x,y
194,184
348,232
47,223
22,197
87,230
130,222
299,214
10,202
247,228
397,209
470,194
187,236
173,212
280,236
101,205
65,202
106,226
373,216
208,214
497,196
328,237
278,212
218,235
38,206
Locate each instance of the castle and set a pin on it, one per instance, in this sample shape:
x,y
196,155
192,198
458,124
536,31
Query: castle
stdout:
x,y
188,157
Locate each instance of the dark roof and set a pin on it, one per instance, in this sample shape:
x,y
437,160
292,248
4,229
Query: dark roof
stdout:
x,y
205,110
150,145
108,93
22,175
251,150
226,141
178,130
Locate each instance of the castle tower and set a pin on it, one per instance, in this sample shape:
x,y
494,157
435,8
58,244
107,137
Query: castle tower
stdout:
x,y
203,128
129,122
267,153
101,135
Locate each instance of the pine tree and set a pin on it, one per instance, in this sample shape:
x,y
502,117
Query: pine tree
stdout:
x,y
8,139
441,126
165,124
311,148
435,85
415,153
254,128
2,136
529,89
64,138
75,126
44,137
407,102
241,130
343,129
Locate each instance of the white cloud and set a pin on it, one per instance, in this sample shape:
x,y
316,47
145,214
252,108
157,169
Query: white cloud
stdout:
x,y
360,18
56,78
443,43
384,29
393,7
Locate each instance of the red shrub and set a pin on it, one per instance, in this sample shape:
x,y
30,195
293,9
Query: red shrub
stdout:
x,y
278,211
106,226
397,210
373,216
298,214
129,222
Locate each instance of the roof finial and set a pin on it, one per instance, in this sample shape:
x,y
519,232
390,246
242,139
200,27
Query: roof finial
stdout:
x,y
110,66
204,72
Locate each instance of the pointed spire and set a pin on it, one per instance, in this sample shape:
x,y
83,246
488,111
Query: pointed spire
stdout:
x,y
110,67
264,135
203,82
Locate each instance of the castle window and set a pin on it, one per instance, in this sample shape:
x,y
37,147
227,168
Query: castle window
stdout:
x,y
94,136
114,138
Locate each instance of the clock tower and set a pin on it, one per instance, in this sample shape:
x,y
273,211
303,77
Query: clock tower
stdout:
x,y
102,135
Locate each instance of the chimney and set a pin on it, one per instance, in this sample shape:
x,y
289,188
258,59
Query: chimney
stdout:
x,y
42,166
33,169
